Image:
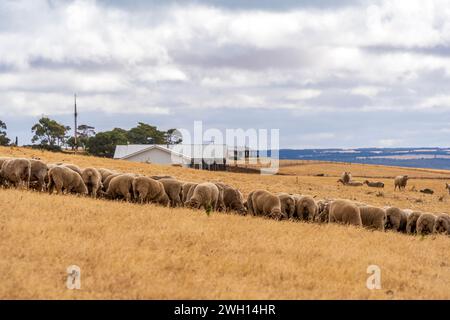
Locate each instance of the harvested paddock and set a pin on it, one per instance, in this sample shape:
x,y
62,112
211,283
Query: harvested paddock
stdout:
x,y
159,253
194,256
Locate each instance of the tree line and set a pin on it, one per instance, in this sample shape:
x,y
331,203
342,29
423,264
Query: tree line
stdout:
x,y
50,135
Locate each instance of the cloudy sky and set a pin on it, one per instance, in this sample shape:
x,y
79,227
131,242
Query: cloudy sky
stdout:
x,y
334,74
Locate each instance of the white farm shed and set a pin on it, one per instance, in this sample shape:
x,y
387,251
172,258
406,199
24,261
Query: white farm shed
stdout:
x,y
157,154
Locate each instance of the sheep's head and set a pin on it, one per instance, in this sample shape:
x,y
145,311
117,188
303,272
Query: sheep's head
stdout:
x,y
322,212
276,213
290,206
193,203
441,225
242,211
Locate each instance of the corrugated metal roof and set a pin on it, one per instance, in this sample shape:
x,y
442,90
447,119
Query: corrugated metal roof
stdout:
x,y
187,150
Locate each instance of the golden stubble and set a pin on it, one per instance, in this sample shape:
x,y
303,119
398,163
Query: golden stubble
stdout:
x,y
128,251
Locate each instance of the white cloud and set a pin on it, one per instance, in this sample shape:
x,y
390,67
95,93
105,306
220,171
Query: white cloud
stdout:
x,y
436,102
304,94
361,58
368,91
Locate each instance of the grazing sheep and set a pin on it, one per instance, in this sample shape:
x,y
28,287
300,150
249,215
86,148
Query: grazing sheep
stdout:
x,y
105,173
264,203
425,223
442,224
39,171
205,195
447,186
174,190
346,177
221,204
376,184
73,167
427,191
345,212
121,186
305,208
2,160
65,179
93,181
190,192
400,182
323,210
108,180
187,186
233,200
288,207
396,219
411,222
373,217
149,190
16,171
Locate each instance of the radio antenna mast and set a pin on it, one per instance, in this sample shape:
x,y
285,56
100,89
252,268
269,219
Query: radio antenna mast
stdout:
x,y
76,127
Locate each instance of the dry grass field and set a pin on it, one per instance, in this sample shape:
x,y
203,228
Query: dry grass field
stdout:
x,y
128,251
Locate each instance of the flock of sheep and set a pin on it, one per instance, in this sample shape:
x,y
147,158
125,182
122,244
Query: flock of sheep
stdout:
x,y
217,196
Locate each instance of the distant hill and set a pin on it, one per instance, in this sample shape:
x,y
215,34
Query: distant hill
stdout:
x,y
433,158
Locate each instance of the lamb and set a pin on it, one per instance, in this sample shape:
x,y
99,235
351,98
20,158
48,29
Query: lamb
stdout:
x,y
305,208
425,223
65,179
187,186
346,177
93,180
149,190
174,190
205,195
288,207
442,224
411,223
121,186
400,182
396,219
373,217
264,203
16,171
377,184
345,212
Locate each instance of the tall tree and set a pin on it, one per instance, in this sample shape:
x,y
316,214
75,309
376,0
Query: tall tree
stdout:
x,y
173,136
4,140
50,133
103,144
145,134
84,132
